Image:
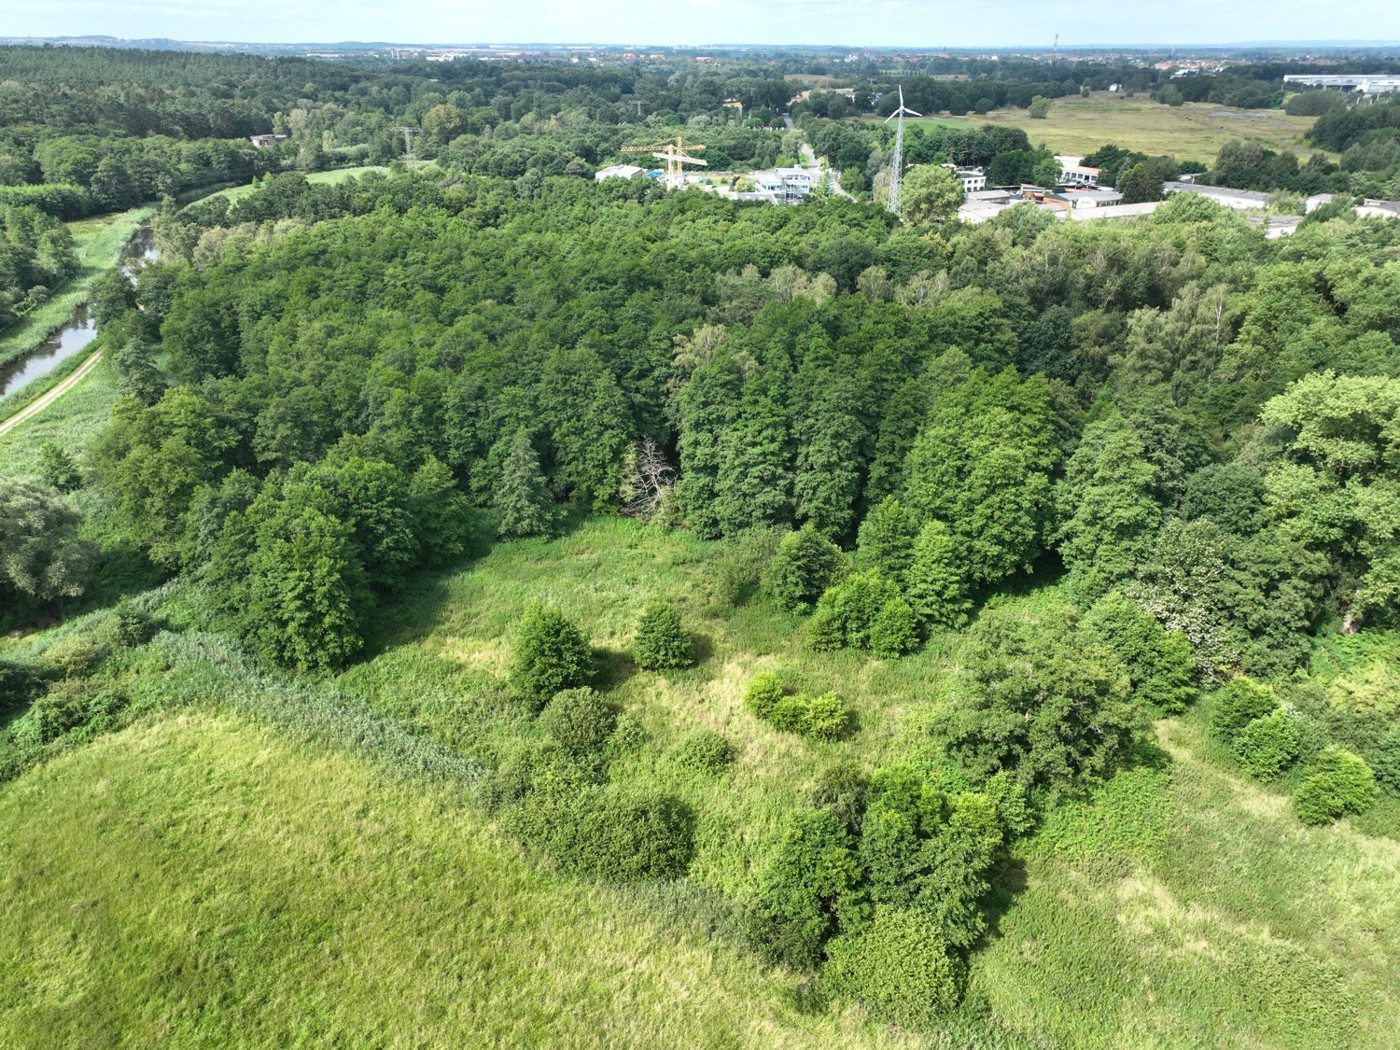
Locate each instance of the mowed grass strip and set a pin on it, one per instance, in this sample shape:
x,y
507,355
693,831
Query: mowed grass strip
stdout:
x,y
199,881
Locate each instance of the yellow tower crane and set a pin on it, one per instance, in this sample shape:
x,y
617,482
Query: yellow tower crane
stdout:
x,y
675,156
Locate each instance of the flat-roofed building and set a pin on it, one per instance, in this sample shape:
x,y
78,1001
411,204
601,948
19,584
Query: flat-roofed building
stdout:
x,y
1079,175
618,171
1240,200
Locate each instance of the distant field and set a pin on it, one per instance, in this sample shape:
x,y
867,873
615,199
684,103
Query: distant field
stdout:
x,y
338,175
1195,131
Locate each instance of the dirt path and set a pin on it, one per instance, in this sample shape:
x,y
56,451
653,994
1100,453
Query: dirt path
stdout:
x,y
53,395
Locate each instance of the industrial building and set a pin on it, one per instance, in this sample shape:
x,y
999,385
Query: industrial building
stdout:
x,y
785,185
1240,200
618,171
1359,83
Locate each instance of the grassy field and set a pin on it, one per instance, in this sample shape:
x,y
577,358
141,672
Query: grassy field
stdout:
x,y
201,882
249,863
99,242
70,422
1194,131
338,175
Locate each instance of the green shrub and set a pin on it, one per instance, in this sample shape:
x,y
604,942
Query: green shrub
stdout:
x,y
703,751
789,714
896,630
625,833
935,583
825,717
551,655
901,968
581,720
805,565
1268,745
68,707
739,570
1239,702
662,644
1386,762
57,469
851,608
1160,664
761,696
127,626
1338,783
74,656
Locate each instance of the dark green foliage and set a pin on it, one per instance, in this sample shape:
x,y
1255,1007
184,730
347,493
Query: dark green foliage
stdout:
x,y
982,463
805,565
137,374
439,511
522,496
662,643
1385,760
847,613
1268,745
57,469
703,751
1239,702
1161,664
580,720
1043,702
895,630
127,626
934,584
549,656
1337,783
901,968
1229,494
809,888
622,833
886,542
926,848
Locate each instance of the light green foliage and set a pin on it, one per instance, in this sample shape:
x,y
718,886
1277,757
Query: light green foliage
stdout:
x,y
934,584
662,642
1268,745
1108,503
126,626
522,496
624,833
886,541
1385,761
825,717
1161,664
762,694
930,193
75,656
1339,493
1039,108
41,556
809,889
901,968
549,655
703,751
805,565
1239,702
847,613
982,463
1337,783
581,720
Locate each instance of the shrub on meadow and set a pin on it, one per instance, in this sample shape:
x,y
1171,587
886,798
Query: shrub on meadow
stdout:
x,y
662,644
1268,745
1338,783
901,968
626,833
1239,702
580,720
551,655
703,751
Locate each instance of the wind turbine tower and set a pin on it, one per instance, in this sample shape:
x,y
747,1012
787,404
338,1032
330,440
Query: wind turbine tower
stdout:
x,y
897,165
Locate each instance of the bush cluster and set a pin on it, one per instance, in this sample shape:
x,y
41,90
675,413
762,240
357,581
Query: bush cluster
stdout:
x,y
865,611
579,720
1338,783
1268,745
823,716
703,751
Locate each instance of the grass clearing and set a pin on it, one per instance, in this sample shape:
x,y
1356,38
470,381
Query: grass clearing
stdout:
x,y
201,881
334,176
1194,131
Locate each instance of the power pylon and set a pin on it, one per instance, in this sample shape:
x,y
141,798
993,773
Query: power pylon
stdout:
x,y
408,133
675,156
897,163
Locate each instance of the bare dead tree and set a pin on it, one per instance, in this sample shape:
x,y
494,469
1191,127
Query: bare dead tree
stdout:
x,y
649,478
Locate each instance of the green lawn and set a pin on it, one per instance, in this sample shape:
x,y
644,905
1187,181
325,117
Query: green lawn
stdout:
x,y
338,175
1194,131
197,881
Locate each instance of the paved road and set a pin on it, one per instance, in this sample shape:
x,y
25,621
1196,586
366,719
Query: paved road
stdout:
x,y
811,158
53,395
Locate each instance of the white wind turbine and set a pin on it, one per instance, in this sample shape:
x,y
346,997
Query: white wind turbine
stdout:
x,y
897,167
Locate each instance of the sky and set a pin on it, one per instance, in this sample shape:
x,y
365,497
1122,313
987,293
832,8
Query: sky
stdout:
x,y
916,24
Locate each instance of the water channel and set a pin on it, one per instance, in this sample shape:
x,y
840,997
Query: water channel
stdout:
x,y
81,330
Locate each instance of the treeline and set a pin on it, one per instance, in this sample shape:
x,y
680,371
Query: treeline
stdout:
x,y
36,256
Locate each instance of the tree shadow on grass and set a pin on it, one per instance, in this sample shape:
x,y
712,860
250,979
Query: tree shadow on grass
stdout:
x,y
611,668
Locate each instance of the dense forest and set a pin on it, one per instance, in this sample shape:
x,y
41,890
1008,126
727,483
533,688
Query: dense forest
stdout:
x,y
1174,441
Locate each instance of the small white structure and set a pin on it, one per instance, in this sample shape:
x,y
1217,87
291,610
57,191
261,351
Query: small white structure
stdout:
x,y
266,141
1093,198
1078,175
1114,211
618,171
1374,209
1317,200
787,185
973,179
1240,200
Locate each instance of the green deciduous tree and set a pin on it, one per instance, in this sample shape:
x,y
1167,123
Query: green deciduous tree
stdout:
x,y
934,584
930,193
805,565
41,556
